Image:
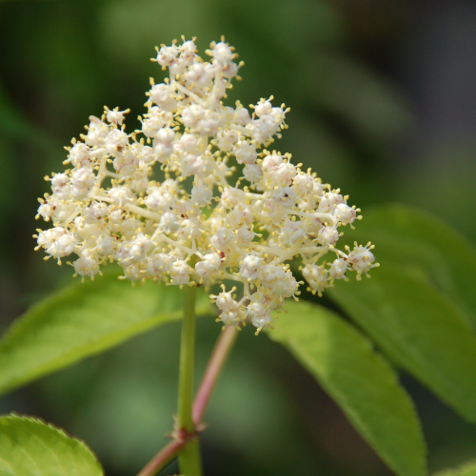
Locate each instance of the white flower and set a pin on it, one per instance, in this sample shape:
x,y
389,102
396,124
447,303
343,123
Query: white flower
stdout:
x,y
345,213
163,95
250,267
167,55
316,276
115,116
222,54
210,263
60,186
245,152
362,259
79,155
82,181
116,142
211,227
87,264
180,272
338,268
169,222
121,195
97,132
252,173
57,242
201,195
327,236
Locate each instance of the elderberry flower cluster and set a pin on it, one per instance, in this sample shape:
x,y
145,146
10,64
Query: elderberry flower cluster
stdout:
x,y
107,207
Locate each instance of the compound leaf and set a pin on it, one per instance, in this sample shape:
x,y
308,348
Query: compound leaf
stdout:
x,y
360,381
419,328
410,238
82,320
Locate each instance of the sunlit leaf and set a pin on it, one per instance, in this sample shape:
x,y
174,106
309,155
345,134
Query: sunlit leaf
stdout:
x,y
358,379
411,238
83,320
419,328
29,447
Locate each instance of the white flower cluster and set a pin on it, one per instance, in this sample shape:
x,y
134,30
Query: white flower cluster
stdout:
x,y
205,230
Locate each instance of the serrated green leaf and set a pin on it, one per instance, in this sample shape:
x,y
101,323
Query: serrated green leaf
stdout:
x,y
410,238
82,320
358,379
419,328
468,469
29,447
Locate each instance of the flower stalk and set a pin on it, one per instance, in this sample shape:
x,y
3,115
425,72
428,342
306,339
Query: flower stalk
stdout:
x,y
183,439
189,457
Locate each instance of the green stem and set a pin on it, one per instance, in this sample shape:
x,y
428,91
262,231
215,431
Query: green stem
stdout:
x,y
189,457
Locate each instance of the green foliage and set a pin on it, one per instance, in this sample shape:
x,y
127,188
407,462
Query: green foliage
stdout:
x,y
418,306
419,329
466,470
359,380
28,447
412,239
83,320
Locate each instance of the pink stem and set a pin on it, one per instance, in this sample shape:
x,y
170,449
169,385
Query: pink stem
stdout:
x,y
215,364
163,458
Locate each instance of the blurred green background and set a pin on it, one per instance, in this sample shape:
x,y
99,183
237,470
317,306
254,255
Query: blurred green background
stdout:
x,y
383,99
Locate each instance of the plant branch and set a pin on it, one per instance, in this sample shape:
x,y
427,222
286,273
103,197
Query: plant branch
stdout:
x,y
184,438
215,364
163,458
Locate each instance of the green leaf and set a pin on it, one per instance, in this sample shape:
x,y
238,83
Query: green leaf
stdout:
x,y
82,320
468,469
408,237
419,328
359,380
29,447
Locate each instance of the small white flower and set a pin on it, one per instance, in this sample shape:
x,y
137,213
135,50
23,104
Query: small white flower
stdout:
x,y
163,95
57,242
79,155
97,132
87,264
169,222
338,268
328,236
345,213
250,266
201,195
167,55
121,195
180,272
116,142
362,259
210,263
316,276
115,116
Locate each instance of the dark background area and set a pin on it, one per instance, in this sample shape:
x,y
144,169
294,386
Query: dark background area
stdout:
x,y
383,105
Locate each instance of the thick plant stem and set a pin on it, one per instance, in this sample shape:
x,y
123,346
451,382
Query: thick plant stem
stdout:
x,y
181,439
189,457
